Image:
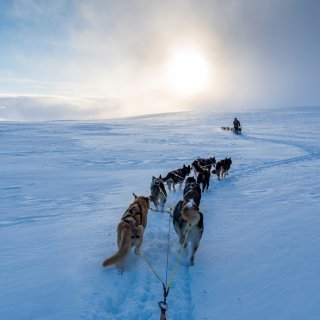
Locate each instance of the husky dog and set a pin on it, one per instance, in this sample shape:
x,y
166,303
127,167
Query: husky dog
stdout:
x,y
204,179
158,192
222,168
177,177
186,216
192,191
130,231
202,164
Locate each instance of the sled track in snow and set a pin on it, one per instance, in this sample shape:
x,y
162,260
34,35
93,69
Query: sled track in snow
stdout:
x,y
140,291
155,249
311,154
256,169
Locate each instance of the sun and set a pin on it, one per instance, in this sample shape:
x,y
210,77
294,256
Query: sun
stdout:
x,y
187,72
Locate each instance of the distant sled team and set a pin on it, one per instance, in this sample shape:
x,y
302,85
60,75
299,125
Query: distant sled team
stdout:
x,y
187,218
236,127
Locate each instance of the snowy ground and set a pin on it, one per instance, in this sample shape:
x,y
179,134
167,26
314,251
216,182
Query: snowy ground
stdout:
x,y
65,185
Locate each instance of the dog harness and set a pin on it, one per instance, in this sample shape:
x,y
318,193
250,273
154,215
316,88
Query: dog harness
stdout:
x,y
129,216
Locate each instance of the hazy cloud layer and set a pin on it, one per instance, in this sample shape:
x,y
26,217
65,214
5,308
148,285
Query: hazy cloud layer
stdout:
x,y
262,53
45,108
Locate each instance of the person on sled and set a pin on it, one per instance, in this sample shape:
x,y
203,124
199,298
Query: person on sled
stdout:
x,y
236,126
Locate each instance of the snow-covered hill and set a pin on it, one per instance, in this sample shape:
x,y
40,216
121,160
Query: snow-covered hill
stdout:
x,y
65,185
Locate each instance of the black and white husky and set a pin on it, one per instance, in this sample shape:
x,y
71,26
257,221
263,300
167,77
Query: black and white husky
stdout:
x,y
192,191
188,222
222,168
158,193
177,177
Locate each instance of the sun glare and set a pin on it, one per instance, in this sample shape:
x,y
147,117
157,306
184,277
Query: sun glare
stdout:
x,y
187,72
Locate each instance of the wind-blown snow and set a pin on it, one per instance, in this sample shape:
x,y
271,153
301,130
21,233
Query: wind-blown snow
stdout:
x,y
65,185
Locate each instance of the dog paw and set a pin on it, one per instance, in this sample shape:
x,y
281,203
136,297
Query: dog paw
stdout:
x,y
137,252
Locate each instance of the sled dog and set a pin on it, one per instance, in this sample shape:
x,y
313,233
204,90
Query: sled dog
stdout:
x,y
192,191
222,168
177,177
202,164
130,231
204,179
186,216
158,193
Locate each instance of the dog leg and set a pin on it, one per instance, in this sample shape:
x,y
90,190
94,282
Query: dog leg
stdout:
x,y
182,241
181,237
157,202
120,268
138,240
162,203
194,250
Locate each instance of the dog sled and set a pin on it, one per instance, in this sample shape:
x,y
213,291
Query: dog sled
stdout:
x,y
238,131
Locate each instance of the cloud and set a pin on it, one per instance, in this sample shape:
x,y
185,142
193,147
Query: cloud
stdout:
x,y
45,108
262,53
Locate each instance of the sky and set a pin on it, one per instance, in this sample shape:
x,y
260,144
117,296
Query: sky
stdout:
x,y
68,59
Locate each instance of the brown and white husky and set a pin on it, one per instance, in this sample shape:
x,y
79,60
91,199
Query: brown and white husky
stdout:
x,y
130,231
188,221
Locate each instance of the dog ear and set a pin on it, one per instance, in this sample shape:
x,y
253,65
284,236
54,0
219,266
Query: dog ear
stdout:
x,y
160,177
153,178
135,196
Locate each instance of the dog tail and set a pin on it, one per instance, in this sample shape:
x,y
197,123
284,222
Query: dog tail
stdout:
x,y
124,248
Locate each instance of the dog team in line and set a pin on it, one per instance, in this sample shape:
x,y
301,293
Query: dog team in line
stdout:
x,y
186,215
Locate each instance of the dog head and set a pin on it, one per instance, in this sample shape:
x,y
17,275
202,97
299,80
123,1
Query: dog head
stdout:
x,y
156,181
190,180
142,200
212,160
186,170
228,162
